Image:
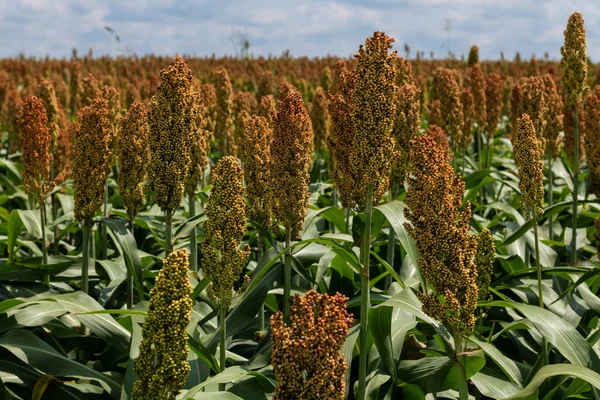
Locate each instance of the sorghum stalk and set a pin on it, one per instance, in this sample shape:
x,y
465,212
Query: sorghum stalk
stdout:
x,y
161,368
373,149
290,159
224,256
92,161
528,158
574,73
35,142
287,274
170,137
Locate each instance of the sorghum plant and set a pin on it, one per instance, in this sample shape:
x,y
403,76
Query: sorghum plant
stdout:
x,y
306,354
224,122
162,368
592,139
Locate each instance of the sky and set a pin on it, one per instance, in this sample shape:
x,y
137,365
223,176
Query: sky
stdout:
x,y
305,28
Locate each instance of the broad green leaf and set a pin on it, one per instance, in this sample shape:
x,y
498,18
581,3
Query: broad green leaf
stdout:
x,y
14,228
380,328
507,365
34,351
228,375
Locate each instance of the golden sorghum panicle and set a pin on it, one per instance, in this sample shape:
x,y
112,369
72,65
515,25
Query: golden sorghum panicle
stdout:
x,y
290,159
554,117
284,89
161,368
494,89
477,84
435,113
340,69
51,104
569,131
574,60
267,109
473,56
528,158
134,156
255,152
406,126
341,138
224,258
440,138
592,139
439,225
62,151
91,90
404,74
35,143
306,355
373,117
448,93
516,97
534,68
468,105
112,96
91,159
484,260
224,122
534,104
75,85
172,121
320,118
243,101
13,107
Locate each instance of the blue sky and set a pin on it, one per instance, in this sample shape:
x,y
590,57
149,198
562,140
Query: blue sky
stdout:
x,y
307,27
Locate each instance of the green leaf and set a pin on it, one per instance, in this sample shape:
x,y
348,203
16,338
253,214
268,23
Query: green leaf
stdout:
x,y
508,365
35,352
380,328
228,375
128,247
14,228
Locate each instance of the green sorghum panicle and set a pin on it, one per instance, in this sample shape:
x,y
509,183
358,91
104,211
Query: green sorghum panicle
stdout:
x,y
439,224
592,139
35,144
134,156
224,255
528,158
373,116
574,60
172,121
161,368
306,354
290,159
484,260
341,138
255,152
406,126
554,117
473,56
91,159
534,104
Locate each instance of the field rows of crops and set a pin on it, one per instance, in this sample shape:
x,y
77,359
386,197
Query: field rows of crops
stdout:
x,y
291,228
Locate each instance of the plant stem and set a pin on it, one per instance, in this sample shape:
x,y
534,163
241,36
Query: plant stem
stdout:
x,y
537,259
287,274
44,247
575,185
550,199
168,233
365,298
87,227
261,311
334,202
390,255
347,221
129,294
463,385
103,249
222,353
193,235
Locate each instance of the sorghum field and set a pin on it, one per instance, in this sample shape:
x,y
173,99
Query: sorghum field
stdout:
x,y
293,228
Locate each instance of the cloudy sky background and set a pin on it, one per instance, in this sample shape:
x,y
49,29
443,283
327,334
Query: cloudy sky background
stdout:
x,y
307,27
